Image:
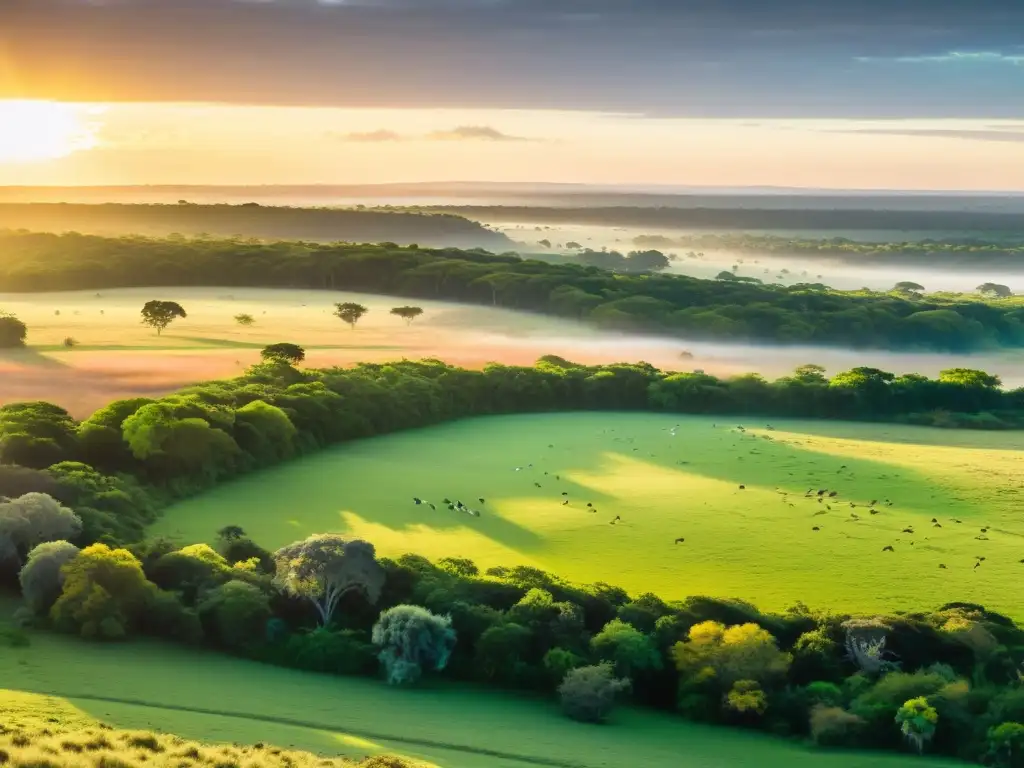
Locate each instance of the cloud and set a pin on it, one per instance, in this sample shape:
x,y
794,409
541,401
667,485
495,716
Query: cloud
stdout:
x,y
771,58
473,133
953,57
370,137
460,133
1010,136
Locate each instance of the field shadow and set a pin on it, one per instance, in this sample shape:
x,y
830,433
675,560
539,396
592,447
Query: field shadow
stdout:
x,y
30,357
908,434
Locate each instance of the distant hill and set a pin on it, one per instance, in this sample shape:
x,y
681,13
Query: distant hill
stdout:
x,y
438,230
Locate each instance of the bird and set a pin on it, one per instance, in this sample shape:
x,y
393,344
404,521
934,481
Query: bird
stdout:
x,y
934,520
565,493
873,502
942,566
565,503
907,530
984,530
888,549
537,484
446,500
979,558
978,564
833,494
815,528
743,487
616,520
432,506
481,500
874,511
589,504
680,540
416,500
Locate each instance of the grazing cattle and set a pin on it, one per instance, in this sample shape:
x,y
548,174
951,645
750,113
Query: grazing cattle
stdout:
x,y
977,565
833,494
873,502
934,520
743,487
589,504
815,528
888,549
481,500
565,503
942,566
565,493
907,530
537,484
416,501
432,506
680,540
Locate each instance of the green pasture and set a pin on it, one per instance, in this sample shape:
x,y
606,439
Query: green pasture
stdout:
x,y
668,477
210,697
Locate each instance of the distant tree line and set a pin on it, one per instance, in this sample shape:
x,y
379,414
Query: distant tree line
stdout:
x,y
710,217
966,253
253,220
117,467
650,303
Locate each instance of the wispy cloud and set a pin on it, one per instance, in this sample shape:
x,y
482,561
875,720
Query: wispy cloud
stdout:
x,y
952,57
473,133
1011,136
373,136
460,133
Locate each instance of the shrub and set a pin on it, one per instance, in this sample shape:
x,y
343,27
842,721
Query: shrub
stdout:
x,y
237,612
42,578
917,720
339,653
559,662
410,638
70,342
742,652
12,331
825,693
33,519
588,693
834,726
1005,744
746,698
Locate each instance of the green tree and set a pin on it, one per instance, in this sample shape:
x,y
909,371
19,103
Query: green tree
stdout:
x,y
628,649
159,314
908,287
12,331
410,638
350,312
407,313
244,319
324,567
1006,745
739,652
292,354
238,613
104,591
41,577
995,290
32,519
917,720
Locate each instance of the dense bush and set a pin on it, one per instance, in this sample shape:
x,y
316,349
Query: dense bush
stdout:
x,y
410,638
589,693
42,576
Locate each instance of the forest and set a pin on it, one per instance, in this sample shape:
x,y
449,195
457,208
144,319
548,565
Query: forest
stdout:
x,y
253,220
734,218
966,253
81,494
663,304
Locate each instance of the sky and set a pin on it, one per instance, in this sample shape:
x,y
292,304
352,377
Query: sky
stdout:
x,y
866,94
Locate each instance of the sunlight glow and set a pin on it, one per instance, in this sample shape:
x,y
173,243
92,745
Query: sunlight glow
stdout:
x,y
35,131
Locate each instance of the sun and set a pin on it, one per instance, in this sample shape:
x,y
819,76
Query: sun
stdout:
x,y
34,131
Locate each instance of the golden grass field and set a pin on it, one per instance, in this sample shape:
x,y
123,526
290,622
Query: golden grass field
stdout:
x,y
118,357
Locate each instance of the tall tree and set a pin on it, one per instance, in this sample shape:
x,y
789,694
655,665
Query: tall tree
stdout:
x,y
325,566
159,314
407,313
350,312
283,353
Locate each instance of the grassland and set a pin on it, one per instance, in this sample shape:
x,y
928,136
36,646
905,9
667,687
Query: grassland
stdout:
x,y
755,543
163,688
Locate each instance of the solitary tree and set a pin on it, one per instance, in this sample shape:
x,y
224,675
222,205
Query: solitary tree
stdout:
x,y
159,314
283,353
244,319
324,567
350,312
908,287
12,331
407,313
410,638
994,289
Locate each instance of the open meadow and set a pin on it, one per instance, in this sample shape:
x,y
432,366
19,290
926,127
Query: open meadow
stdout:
x,y
206,696
604,497
117,357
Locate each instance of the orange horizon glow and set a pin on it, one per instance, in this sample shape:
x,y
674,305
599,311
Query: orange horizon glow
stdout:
x,y
61,143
